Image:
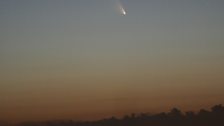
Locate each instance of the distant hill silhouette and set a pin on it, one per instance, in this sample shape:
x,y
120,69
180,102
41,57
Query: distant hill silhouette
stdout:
x,y
213,117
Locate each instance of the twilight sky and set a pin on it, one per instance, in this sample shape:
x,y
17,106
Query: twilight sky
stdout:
x,y
82,59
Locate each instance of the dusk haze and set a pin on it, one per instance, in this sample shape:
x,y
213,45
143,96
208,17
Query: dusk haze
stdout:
x,y
94,59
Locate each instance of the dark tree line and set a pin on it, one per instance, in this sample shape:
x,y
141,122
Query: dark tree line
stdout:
x,y
213,117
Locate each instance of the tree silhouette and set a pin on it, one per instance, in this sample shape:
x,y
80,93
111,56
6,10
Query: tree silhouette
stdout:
x,y
175,117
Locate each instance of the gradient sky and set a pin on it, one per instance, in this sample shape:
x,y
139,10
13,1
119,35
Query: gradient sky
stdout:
x,y
82,59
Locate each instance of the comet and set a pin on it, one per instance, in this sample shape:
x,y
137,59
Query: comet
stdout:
x,y
123,11
121,8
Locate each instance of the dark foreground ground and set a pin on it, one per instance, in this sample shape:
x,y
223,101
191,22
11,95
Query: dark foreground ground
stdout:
x,y
213,117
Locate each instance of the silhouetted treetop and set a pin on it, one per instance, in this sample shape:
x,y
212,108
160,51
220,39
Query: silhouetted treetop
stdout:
x,y
214,117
